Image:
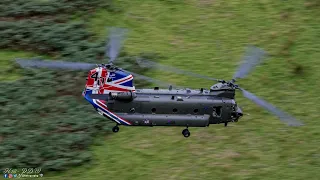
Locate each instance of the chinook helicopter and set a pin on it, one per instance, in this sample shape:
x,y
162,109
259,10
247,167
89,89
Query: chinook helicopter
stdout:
x,y
112,93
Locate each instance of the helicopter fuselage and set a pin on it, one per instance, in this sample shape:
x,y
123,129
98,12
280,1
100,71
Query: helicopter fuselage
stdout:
x,y
169,107
112,94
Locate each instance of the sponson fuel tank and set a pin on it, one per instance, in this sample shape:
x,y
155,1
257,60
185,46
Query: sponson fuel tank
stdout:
x,y
170,119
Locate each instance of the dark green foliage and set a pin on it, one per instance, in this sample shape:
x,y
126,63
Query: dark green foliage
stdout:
x,y
66,40
45,122
27,8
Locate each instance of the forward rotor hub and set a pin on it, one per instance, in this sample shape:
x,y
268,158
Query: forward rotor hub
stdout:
x,y
109,66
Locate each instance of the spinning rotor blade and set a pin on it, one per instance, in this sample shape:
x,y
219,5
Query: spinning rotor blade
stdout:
x,y
148,79
76,66
252,58
54,64
147,63
284,117
114,43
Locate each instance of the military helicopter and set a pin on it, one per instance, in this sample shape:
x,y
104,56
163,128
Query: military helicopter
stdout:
x,y
112,93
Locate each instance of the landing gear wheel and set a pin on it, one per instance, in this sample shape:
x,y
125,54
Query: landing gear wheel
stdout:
x,y
115,129
186,133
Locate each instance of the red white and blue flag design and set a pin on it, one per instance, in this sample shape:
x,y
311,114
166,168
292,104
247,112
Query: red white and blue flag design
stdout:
x,y
100,81
102,108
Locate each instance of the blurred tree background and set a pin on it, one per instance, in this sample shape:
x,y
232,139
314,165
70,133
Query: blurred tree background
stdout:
x,y
44,119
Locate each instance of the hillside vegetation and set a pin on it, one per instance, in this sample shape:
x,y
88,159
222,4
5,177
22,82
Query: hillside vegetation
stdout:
x,y
209,38
44,119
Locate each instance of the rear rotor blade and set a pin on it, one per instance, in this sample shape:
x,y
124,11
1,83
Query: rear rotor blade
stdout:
x,y
253,57
284,117
147,63
54,64
114,42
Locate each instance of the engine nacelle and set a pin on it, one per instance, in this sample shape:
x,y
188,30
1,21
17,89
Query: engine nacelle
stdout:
x,y
125,96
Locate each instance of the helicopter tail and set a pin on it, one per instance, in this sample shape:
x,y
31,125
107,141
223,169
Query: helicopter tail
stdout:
x,y
101,81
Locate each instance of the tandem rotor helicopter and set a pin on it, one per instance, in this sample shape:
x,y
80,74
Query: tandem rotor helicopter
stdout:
x,y
112,93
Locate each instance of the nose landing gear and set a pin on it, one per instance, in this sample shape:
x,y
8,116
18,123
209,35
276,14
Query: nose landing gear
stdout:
x,y
115,128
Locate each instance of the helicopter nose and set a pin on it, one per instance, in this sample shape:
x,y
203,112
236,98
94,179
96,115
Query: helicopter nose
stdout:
x,y
239,112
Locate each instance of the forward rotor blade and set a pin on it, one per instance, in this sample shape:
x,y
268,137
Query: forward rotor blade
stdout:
x,y
114,43
284,117
147,63
158,82
54,64
253,57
